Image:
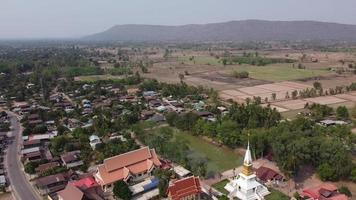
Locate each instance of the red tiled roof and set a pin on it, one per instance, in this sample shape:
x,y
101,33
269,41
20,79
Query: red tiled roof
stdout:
x,y
121,166
325,189
266,174
184,188
85,183
71,192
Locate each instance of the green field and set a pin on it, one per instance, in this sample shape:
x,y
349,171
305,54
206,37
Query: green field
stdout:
x,y
280,72
276,195
220,186
200,60
93,78
219,159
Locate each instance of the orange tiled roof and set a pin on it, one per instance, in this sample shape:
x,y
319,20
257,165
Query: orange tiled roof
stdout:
x,y
120,167
315,193
184,188
71,192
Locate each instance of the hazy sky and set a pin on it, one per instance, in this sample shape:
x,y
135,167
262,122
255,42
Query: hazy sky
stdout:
x,y
74,18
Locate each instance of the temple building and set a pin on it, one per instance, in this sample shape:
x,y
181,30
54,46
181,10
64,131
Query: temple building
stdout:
x,y
245,186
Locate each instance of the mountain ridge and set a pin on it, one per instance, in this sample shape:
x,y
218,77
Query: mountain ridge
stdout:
x,y
237,31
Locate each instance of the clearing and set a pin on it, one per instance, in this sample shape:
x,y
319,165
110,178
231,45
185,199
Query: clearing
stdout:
x,y
93,78
280,72
220,186
219,158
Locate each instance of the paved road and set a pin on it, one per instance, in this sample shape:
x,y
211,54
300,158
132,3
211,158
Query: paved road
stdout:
x,y
22,189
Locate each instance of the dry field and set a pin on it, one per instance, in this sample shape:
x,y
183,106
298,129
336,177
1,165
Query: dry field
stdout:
x,y
206,70
265,90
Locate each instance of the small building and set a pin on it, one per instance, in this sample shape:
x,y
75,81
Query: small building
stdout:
x,y
51,184
187,188
134,165
266,174
93,141
72,159
327,191
181,171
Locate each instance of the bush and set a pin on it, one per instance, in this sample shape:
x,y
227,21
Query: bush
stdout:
x,y
122,191
242,74
344,190
326,172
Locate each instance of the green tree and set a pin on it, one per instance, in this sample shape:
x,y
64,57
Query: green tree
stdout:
x,y
345,190
326,172
353,175
342,112
122,191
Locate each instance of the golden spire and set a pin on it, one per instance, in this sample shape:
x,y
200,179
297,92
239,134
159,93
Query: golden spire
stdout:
x,y
247,168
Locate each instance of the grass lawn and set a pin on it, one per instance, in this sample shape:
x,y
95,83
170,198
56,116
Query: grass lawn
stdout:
x,y
200,60
220,186
93,78
276,195
219,159
280,72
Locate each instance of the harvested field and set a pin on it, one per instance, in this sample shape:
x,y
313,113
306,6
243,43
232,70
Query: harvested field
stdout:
x,y
292,104
226,78
265,91
325,100
349,97
279,109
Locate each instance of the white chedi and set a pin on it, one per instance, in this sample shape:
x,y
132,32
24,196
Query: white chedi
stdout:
x,y
245,186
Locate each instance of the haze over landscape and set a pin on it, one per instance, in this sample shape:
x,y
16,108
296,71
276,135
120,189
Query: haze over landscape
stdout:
x,y
177,99
72,19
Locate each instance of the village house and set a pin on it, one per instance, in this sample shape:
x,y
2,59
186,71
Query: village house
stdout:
x,y
83,189
51,184
72,159
326,191
94,140
187,188
134,165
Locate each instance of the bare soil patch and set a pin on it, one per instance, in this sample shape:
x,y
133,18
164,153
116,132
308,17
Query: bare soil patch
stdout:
x,y
325,100
292,104
349,97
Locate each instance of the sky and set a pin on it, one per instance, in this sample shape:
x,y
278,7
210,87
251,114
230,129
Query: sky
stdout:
x,y
25,19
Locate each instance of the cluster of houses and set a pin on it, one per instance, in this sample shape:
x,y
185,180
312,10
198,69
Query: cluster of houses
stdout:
x,y
60,177
136,169
4,140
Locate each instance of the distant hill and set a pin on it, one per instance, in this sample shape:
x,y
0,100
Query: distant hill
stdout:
x,y
238,31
